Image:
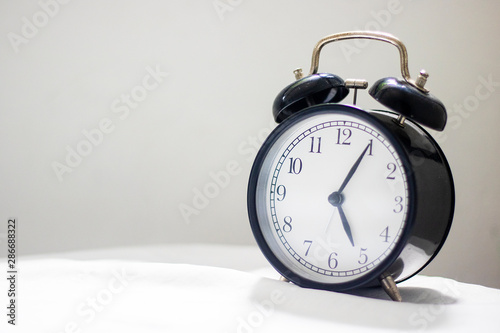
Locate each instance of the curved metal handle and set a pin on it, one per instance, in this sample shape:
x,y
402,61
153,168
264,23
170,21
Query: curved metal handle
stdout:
x,y
380,36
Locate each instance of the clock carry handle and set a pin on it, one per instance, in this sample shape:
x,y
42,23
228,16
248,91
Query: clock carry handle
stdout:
x,y
406,96
375,35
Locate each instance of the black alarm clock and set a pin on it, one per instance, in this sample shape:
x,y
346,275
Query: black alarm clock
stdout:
x,y
341,198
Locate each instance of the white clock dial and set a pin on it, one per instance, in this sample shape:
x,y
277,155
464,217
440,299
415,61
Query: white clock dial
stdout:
x,y
332,197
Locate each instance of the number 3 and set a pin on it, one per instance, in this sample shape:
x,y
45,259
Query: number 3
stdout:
x,y
399,205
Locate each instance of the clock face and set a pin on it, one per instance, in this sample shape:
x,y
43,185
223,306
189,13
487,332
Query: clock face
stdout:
x,y
331,195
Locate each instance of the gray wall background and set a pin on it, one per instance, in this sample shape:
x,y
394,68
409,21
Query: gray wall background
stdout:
x,y
116,114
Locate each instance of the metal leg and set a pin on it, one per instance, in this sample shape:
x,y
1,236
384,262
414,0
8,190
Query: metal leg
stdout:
x,y
284,279
391,288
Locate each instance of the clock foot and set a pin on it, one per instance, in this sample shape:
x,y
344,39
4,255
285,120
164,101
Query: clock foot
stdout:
x,y
391,288
284,279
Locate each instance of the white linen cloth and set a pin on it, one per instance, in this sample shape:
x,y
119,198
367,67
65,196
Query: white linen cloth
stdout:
x,y
68,295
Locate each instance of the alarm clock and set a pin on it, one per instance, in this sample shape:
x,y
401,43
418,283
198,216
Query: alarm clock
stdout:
x,y
342,198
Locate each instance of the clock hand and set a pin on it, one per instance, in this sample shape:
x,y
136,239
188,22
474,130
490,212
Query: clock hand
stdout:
x,y
336,199
345,224
330,221
353,170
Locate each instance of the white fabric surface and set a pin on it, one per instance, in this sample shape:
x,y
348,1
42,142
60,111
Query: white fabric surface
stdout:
x,y
69,295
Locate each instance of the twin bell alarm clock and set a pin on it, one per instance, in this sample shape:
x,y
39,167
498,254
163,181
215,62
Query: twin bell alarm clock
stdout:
x,y
342,198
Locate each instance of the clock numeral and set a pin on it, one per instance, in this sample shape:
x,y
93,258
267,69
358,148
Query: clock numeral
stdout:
x,y
370,149
281,191
399,204
308,247
392,168
343,136
295,165
363,258
385,235
332,260
287,227
315,145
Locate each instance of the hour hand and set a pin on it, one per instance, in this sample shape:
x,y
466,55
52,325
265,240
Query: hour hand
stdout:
x,y
345,224
336,199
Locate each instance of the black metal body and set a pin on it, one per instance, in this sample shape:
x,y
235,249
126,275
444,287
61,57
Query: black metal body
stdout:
x,y
431,198
405,99
308,91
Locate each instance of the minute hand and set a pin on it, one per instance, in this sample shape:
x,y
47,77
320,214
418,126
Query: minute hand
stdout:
x,y
353,170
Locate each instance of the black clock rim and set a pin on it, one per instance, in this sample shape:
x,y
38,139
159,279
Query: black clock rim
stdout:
x,y
368,279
